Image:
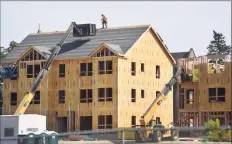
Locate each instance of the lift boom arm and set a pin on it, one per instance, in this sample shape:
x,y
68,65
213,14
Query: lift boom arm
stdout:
x,y
147,116
27,98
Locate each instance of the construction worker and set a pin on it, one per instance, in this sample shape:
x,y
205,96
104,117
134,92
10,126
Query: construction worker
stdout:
x,y
104,21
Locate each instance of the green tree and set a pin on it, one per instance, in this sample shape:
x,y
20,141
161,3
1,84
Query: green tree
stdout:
x,y
12,45
2,54
215,133
218,45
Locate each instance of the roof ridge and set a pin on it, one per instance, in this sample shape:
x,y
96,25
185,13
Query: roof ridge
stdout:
x,y
180,52
110,28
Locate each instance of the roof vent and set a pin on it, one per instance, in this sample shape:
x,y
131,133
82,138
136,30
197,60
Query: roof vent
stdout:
x,y
84,30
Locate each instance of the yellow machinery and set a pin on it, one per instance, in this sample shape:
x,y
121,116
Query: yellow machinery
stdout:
x,y
146,119
78,30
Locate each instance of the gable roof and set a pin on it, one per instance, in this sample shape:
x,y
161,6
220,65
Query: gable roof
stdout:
x,y
178,55
113,48
75,47
43,51
119,39
164,45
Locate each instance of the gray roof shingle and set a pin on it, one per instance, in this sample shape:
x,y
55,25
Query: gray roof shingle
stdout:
x,y
116,48
178,55
119,39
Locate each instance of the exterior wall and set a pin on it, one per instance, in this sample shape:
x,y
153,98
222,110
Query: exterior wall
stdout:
x,y
176,88
9,122
201,105
148,51
71,83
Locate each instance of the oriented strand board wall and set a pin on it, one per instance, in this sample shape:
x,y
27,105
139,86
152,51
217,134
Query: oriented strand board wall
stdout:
x,y
190,107
148,51
218,80
22,86
73,82
222,80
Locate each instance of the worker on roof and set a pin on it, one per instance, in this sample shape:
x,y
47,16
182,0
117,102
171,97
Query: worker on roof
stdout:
x,y
104,21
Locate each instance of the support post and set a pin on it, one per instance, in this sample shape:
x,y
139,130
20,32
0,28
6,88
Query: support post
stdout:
x,y
123,137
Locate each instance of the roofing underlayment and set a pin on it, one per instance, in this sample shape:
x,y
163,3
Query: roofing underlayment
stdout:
x,y
119,39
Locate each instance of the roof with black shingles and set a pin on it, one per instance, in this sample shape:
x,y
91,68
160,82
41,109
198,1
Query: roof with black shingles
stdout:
x,y
121,39
178,55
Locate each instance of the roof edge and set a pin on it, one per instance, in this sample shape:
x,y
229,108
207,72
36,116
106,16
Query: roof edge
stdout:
x,y
109,28
149,26
162,43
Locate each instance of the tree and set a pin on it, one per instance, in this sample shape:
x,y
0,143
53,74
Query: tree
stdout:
x,y
2,54
218,45
12,45
214,132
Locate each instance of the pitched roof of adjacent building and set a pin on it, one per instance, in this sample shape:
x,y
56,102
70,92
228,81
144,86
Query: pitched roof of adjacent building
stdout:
x,y
119,39
178,55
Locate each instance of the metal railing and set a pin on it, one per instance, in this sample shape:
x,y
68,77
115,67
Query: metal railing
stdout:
x,y
116,136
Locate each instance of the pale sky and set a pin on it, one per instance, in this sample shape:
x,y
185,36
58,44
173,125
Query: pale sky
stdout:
x,y
182,25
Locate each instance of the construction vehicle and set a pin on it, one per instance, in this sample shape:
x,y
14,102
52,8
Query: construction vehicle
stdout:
x,y
8,72
146,120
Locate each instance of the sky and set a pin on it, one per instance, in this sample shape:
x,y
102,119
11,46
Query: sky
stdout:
x,y
182,25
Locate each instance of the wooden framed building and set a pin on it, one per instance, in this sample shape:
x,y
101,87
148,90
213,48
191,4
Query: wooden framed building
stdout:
x,y
177,56
208,96
96,82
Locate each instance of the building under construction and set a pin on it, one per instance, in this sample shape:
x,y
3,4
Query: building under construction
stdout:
x,y
205,91
103,81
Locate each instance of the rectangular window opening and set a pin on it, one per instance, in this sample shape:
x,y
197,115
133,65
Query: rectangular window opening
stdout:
x,y
190,96
181,101
158,120
90,96
13,99
109,121
62,96
86,69
157,93
101,122
109,94
101,67
36,99
101,94
133,95
83,96
133,68
212,94
133,121
157,72
142,94
36,70
142,67
221,94
61,70
29,71
109,67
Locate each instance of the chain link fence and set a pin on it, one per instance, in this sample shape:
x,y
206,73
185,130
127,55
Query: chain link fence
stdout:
x,y
128,136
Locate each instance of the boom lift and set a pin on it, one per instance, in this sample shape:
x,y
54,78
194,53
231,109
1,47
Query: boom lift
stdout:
x,y
78,30
9,71
157,135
